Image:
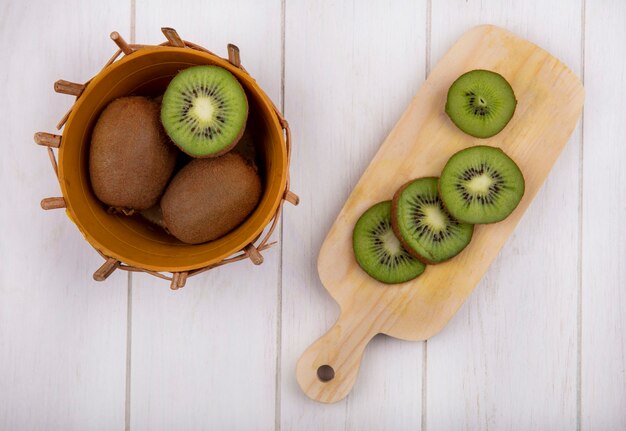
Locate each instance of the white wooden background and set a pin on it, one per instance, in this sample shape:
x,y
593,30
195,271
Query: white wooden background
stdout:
x,y
540,344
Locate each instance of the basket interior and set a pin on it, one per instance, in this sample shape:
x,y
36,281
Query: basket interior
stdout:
x,y
133,240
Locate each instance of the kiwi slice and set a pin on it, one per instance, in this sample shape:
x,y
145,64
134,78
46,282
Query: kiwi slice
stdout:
x,y
204,111
378,251
424,226
481,103
130,157
481,185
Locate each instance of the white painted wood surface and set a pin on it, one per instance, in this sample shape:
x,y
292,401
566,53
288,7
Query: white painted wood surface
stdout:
x,y
540,344
603,252
342,97
508,359
184,371
62,335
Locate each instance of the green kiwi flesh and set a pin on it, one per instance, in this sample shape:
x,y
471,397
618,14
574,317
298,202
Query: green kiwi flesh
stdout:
x,y
424,226
208,198
481,185
378,251
130,157
204,111
481,103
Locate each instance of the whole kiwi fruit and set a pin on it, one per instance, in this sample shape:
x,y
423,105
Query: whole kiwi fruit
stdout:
x,y
131,158
210,197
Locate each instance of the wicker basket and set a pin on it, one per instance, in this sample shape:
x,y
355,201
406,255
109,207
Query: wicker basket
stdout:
x,y
129,243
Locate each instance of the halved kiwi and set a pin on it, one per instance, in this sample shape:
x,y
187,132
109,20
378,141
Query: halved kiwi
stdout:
x,y
204,111
481,185
481,103
424,226
378,251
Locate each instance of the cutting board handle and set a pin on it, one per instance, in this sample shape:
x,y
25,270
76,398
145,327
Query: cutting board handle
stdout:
x,y
328,369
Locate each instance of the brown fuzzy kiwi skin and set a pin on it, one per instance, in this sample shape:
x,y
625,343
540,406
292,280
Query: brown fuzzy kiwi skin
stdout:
x,y
210,197
246,146
131,158
229,147
396,228
154,216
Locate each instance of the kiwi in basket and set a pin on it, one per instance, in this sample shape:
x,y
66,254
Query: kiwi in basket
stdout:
x,y
210,197
424,226
204,111
378,251
247,146
154,215
481,185
481,103
130,158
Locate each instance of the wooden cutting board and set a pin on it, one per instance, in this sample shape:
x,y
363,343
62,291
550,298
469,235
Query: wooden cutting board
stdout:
x,y
550,99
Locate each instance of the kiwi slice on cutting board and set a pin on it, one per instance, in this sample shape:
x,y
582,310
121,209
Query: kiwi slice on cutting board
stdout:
x,y
481,185
130,157
204,111
378,251
481,103
210,197
424,226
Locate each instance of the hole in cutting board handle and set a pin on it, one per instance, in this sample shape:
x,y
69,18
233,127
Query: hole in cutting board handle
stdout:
x,y
325,373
